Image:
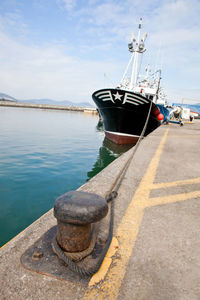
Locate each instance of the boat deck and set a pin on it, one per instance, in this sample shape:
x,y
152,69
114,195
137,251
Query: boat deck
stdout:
x,y
155,252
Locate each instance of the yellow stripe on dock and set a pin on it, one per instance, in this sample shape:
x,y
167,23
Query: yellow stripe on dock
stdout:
x,y
127,233
175,183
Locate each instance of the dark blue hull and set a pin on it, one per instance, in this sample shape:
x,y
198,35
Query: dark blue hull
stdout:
x,y
163,111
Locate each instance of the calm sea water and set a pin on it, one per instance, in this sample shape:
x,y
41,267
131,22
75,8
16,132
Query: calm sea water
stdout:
x,y
44,154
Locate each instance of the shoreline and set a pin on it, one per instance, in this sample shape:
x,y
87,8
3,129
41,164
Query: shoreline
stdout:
x,y
48,106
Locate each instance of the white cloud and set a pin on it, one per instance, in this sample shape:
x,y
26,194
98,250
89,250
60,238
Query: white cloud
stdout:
x,y
12,22
47,72
67,4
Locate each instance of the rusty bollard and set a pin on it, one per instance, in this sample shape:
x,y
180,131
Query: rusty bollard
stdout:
x,y
75,211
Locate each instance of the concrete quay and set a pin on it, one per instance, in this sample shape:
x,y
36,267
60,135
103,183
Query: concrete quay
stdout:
x,y
47,106
155,250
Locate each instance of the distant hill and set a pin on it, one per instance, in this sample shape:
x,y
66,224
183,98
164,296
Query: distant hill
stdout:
x,y
54,102
5,97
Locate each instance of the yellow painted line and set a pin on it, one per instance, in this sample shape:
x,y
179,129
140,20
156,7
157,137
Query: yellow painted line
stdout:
x,y
114,246
127,233
173,198
102,271
175,183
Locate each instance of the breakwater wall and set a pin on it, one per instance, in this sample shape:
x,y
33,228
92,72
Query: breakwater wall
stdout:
x,y
48,106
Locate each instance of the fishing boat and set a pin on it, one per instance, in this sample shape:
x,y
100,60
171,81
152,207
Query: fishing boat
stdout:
x,y
125,109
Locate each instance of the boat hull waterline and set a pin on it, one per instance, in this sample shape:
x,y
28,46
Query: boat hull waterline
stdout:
x,y
124,114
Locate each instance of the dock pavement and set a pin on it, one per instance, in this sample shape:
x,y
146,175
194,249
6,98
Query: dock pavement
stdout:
x,y
156,241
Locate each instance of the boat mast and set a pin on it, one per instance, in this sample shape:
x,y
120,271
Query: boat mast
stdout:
x,y
135,61
158,84
139,48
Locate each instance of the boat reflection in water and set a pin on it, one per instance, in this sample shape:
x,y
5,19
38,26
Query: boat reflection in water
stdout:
x,y
99,126
108,152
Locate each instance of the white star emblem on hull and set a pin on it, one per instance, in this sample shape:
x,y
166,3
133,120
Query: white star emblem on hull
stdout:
x,y
117,96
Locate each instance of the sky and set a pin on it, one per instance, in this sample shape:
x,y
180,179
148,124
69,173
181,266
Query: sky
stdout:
x,y
67,49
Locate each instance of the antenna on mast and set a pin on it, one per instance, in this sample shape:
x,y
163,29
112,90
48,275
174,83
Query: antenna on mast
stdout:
x,y
144,37
132,37
139,48
136,47
140,24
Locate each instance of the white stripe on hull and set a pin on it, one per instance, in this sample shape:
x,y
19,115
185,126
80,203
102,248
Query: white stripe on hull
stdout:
x,y
122,134
127,97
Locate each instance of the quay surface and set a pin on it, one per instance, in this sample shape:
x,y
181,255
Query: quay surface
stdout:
x,y
157,237
47,106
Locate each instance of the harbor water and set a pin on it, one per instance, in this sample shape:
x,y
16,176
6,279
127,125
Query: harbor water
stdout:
x,y
43,154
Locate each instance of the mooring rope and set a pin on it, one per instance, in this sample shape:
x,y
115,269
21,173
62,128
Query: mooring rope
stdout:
x,y
109,198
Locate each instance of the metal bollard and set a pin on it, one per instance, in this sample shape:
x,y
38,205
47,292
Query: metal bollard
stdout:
x,y
75,211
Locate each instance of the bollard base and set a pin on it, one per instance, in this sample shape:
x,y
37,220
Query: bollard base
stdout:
x,y
48,262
